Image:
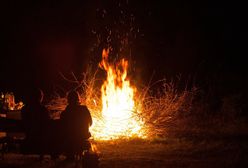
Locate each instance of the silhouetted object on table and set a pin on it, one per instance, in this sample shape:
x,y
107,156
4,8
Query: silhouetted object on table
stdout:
x,y
75,120
35,120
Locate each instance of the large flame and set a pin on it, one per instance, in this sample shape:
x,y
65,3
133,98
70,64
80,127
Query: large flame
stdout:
x,y
119,114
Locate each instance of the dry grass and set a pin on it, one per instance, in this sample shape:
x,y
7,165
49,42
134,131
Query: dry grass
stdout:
x,y
160,109
166,107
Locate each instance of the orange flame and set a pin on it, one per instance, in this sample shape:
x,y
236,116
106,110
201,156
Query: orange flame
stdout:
x,y
94,149
119,109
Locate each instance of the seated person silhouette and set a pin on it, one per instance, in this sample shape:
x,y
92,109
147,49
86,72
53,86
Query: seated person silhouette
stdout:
x,y
76,120
35,119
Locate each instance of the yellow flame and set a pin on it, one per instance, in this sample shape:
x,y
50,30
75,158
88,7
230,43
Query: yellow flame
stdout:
x,y
119,111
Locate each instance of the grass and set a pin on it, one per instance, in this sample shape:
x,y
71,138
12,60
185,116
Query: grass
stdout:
x,y
173,152
213,147
159,109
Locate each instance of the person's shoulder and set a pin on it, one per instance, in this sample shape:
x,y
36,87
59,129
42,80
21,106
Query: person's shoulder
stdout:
x,y
83,107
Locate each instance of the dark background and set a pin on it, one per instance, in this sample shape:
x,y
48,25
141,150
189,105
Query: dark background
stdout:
x,y
204,42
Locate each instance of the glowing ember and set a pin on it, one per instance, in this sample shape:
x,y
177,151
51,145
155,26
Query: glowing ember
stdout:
x,y
119,114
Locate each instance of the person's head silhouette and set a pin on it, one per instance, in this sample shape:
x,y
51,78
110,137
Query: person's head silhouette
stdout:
x,y
38,95
73,97
34,96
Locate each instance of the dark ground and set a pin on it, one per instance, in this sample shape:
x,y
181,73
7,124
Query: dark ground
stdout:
x,y
192,149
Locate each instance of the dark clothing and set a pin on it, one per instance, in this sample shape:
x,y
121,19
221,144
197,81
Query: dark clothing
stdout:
x,y
35,120
75,120
34,117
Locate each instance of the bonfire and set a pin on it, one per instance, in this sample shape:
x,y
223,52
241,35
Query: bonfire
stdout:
x,y
119,109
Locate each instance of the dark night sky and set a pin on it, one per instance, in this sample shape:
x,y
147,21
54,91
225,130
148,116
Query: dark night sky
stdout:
x,y
206,40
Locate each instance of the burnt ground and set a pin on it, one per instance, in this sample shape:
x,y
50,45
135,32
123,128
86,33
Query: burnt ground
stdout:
x,y
187,151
